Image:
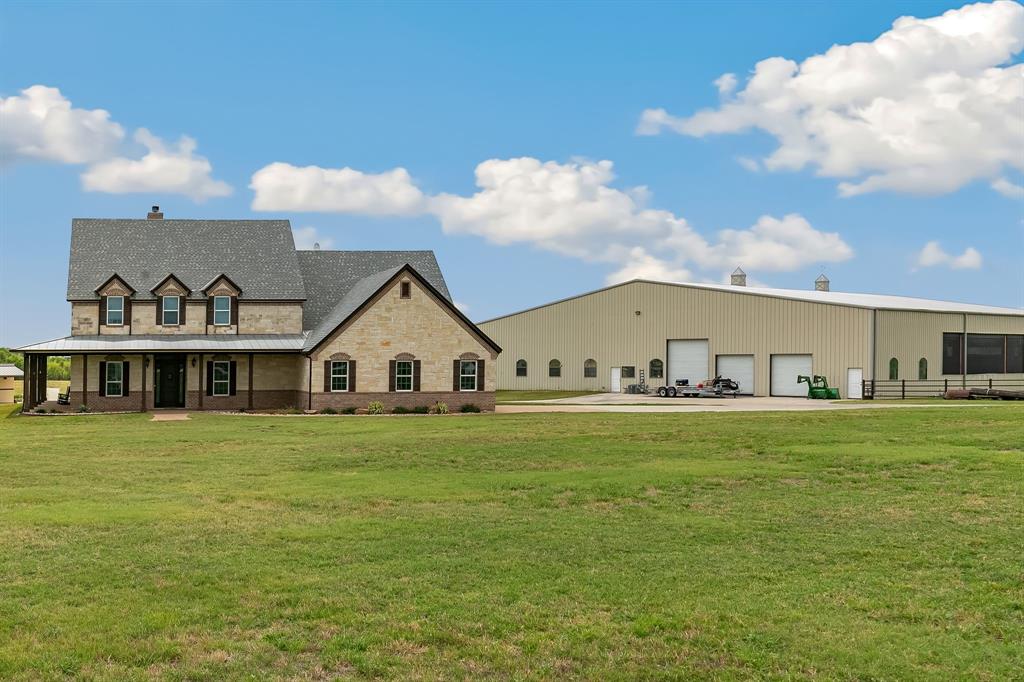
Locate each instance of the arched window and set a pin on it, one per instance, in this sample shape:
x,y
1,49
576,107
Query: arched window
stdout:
x,y
520,368
590,369
554,368
922,368
657,370
894,369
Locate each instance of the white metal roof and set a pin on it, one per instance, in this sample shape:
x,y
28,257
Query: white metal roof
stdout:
x,y
218,343
8,370
872,301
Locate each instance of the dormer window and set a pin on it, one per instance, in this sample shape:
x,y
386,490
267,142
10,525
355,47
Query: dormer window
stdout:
x,y
115,311
222,311
171,307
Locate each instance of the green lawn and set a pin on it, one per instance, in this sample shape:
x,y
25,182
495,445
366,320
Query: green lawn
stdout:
x,y
855,545
520,396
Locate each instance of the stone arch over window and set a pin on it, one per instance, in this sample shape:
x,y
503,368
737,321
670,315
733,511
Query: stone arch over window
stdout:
x,y
656,369
922,368
590,369
555,368
341,357
894,369
405,356
469,356
520,368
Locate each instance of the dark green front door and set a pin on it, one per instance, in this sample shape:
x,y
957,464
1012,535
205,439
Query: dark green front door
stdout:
x,y
169,381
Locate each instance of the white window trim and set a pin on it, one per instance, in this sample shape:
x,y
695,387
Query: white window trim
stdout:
x,y
119,382
411,375
107,321
215,322
164,311
462,375
335,363
226,382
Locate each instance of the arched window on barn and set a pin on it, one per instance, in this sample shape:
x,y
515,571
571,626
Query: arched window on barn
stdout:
x,y
657,370
520,368
894,369
922,368
554,368
590,369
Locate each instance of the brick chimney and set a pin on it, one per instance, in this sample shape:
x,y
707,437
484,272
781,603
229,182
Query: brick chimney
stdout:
x,y
739,278
821,284
155,214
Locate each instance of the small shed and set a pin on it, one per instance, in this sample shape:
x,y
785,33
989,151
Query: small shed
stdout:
x,y
9,376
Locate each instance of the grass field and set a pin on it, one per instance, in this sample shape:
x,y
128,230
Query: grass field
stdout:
x,y
875,544
519,396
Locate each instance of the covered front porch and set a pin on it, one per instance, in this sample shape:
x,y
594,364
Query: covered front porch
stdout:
x,y
134,374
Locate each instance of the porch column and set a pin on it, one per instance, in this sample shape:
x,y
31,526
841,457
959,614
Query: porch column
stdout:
x,y
251,356
27,382
142,402
202,374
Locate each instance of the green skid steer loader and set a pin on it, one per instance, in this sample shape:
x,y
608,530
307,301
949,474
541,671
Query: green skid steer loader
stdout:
x,y
817,388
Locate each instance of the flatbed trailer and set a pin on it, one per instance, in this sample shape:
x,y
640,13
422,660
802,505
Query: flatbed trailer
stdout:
x,y
696,392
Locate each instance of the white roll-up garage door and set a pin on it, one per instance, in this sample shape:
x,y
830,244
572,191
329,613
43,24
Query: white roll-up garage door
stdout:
x,y
738,368
785,370
688,360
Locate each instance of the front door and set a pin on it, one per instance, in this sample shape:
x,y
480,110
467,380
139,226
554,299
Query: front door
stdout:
x,y
169,381
616,384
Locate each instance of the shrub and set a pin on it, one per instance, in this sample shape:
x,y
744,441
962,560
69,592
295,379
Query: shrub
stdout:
x,y
328,410
469,407
53,411
441,407
83,409
40,410
421,409
401,410
375,407
348,410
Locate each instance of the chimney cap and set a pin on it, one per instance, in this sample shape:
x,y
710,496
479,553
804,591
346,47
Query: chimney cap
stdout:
x,y
738,271
821,278
156,209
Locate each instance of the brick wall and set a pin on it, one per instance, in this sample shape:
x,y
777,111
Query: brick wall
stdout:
x,y
484,399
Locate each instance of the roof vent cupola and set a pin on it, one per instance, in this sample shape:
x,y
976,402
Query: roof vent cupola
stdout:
x,y
155,214
821,284
738,278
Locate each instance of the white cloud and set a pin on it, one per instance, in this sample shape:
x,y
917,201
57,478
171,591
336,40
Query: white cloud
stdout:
x,y
40,124
726,83
306,238
573,209
284,187
1008,189
927,107
933,255
172,169
752,165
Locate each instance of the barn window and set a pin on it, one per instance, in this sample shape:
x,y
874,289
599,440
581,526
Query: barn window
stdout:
x,y
554,368
894,369
657,370
520,368
922,368
590,369
628,372
952,353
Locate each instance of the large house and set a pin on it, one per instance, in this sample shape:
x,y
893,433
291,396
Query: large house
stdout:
x,y
228,315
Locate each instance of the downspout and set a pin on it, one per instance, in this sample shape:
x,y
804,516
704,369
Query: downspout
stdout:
x,y
309,383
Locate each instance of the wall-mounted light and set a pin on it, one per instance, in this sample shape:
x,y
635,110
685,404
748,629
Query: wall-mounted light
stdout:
x,y
637,313
193,361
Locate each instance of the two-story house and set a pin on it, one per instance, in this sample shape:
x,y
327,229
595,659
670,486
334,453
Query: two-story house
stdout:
x,y
228,315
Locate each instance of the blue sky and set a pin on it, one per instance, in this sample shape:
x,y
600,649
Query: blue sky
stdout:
x,y
540,94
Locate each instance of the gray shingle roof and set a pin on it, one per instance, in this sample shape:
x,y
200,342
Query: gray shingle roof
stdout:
x,y
137,343
330,276
349,303
258,255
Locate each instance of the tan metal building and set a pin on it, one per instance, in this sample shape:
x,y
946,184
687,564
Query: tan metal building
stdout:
x,y
661,332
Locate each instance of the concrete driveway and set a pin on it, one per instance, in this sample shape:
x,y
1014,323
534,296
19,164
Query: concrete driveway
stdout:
x,y
621,402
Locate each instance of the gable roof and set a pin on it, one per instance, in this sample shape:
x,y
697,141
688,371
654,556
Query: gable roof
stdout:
x,y
869,301
368,287
259,255
329,276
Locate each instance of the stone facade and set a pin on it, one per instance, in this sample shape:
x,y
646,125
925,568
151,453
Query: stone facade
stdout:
x,y
419,326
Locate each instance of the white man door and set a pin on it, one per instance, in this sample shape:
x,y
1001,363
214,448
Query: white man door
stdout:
x,y
854,383
616,380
